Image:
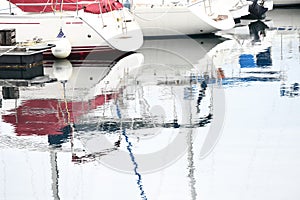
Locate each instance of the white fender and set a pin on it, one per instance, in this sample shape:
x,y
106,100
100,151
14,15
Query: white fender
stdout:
x,y
62,48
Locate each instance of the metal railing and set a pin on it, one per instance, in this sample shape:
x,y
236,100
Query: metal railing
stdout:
x,y
205,3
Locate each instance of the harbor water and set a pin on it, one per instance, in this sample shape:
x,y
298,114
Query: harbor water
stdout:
x,y
184,117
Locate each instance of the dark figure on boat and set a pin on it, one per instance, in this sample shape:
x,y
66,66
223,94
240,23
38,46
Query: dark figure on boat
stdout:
x,y
257,11
257,30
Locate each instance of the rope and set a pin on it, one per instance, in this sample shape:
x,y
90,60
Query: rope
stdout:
x,y
9,50
110,6
47,5
112,46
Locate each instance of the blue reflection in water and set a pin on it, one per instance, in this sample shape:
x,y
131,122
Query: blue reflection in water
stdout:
x,y
264,59
129,145
292,90
247,61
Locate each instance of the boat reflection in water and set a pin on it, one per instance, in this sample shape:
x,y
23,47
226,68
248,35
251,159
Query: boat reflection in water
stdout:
x,y
247,56
48,105
155,114
259,51
164,89
139,105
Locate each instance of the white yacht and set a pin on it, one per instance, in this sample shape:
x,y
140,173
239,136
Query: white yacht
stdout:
x,y
183,17
85,24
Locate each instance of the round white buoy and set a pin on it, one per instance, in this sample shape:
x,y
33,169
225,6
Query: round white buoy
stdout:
x,y
62,48
62,70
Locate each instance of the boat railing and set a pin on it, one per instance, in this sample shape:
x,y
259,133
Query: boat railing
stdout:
x,y
54,5
5,10
104,6
206,4
196,2
240,4
51,4
157,3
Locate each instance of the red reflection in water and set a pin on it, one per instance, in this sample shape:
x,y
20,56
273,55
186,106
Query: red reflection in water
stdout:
x,y
50,116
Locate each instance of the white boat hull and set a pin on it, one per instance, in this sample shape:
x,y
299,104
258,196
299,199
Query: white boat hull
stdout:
x,y
179,20
240,8
237,8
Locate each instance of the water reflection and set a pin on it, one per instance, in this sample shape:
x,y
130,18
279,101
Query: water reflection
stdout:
x,y
289,91
191,166
257,30
55,175
66,131
150,117
132,157
247,57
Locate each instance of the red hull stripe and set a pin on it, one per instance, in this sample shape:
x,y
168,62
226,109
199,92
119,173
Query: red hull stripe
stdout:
x,y
74,22
19,23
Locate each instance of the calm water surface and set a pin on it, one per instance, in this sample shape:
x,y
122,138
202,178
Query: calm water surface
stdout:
x,y
213,117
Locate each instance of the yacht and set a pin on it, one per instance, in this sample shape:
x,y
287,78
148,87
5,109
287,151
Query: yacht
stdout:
x,y
180,18
85,24
166,17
